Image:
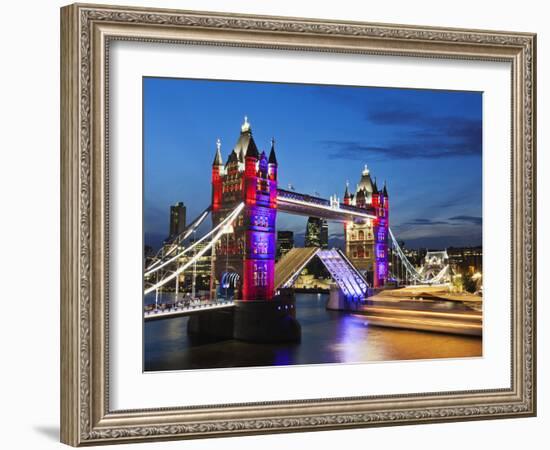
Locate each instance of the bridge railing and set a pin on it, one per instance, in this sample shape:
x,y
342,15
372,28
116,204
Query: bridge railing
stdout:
x,y
356,209
302,197
181,308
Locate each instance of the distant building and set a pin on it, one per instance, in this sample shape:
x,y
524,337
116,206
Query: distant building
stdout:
x,y
285,242
435,262
436,258
316,233
466,260
324,234
148,255
177,219
200,270
316,236
415,256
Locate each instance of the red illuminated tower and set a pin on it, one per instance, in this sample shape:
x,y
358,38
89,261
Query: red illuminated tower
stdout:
x,y
248,250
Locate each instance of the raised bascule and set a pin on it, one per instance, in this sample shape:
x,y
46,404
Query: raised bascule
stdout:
x,y
254,297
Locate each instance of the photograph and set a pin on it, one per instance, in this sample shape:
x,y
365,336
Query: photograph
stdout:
x,y
296,224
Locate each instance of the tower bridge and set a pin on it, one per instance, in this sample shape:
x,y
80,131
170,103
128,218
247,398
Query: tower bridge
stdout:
x,y
242,242
249,176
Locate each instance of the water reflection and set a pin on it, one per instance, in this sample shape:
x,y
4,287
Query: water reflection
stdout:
x,y
327,337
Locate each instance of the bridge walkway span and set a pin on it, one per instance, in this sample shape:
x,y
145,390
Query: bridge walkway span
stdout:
x,y
178,311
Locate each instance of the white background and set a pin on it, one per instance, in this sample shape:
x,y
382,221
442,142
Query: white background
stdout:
x,y
132,389
29,177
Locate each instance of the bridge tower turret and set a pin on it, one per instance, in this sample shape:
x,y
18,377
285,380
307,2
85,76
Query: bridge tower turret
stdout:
x,y
348,197
272,168
217,172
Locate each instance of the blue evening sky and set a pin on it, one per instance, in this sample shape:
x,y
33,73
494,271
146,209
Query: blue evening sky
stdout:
x,y
426,144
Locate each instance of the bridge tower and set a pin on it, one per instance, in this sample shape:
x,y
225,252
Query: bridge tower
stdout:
x,y
248,249
380,202
366,240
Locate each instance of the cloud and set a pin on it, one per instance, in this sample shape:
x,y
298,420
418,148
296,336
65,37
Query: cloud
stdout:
x,y
428,222
475,220
418,136
458,230
418,147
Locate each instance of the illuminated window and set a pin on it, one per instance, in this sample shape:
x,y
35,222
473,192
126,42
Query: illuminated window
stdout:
x,y
262,185
260,275
262,248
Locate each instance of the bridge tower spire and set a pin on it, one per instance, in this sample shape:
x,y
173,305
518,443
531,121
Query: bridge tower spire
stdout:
x,y
217,171
347,195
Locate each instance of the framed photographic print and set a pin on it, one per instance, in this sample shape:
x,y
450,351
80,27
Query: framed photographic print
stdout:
x,y
276,224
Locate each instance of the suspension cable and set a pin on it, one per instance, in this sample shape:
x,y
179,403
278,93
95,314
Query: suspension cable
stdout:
x,y
404,260
184,251
221,227
180,238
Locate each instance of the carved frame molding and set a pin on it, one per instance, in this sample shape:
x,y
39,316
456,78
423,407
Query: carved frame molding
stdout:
x,y
86,32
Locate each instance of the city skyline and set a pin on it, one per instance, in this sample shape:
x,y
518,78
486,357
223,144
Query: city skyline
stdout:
x,y
425,144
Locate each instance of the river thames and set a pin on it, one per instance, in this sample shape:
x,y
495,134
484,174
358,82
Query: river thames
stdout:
x,y
327,337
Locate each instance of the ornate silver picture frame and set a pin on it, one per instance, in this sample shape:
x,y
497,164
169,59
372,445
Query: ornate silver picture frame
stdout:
x,y
87,32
